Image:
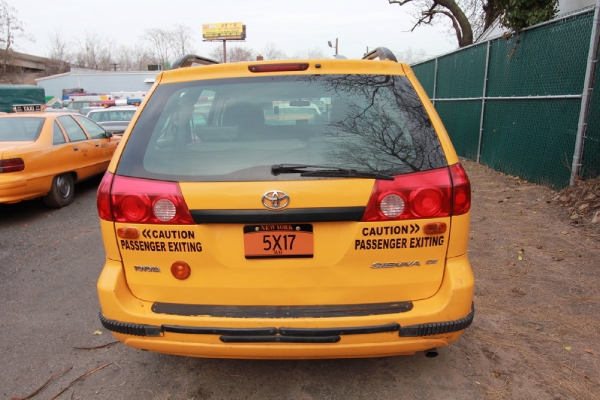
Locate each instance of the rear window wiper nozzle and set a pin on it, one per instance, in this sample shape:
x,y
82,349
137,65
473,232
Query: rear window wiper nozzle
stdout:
x,y
320,170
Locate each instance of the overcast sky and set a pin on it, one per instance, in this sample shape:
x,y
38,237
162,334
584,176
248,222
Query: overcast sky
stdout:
x,y
292,26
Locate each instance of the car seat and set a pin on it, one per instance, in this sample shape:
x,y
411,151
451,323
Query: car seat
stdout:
x,y
243,114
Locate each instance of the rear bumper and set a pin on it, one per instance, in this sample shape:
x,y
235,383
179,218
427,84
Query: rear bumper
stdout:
x,y
418,326
13,190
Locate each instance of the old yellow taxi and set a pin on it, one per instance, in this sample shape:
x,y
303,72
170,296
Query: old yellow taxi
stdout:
x,y
43,154
256,232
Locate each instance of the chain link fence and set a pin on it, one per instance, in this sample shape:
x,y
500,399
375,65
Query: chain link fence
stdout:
x,y
514,103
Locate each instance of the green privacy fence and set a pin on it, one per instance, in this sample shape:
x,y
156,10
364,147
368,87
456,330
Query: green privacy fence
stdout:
x,y
514,104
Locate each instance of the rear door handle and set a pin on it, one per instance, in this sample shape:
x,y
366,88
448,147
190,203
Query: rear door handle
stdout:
x,y
75,148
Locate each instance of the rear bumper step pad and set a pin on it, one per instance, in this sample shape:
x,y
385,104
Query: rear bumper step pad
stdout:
x,y
289,335
269,312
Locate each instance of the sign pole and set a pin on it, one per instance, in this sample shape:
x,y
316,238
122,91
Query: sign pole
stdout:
x,y
224,51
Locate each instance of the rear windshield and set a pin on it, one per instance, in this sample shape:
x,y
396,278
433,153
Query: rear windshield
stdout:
x,y
236,129
23,129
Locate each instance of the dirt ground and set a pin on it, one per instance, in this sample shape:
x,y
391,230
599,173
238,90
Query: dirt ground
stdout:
x,y
536,333
536,258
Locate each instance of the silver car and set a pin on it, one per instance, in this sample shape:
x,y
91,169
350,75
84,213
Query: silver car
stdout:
x,y
114,119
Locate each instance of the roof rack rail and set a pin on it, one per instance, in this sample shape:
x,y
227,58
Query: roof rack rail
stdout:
x,y
192,60
383,53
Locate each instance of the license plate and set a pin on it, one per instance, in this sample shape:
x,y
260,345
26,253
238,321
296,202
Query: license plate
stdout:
x,y
25,108
278,241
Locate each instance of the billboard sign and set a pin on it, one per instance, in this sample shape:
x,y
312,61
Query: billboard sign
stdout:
x,y
224,31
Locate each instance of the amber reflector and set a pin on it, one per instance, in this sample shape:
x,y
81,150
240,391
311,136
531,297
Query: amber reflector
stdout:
x,y
128,233
434,228
180,270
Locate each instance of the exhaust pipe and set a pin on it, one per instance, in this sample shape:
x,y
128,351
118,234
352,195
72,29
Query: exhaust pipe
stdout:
x,y
431,353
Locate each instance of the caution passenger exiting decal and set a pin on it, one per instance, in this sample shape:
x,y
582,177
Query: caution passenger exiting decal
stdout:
x,y
160,246
395,242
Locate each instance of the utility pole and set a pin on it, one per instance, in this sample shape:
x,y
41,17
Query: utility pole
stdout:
x,y
336,45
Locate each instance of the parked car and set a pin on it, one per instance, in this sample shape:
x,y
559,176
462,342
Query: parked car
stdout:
x,y
76,106
113,119
43,154
86,110
240,236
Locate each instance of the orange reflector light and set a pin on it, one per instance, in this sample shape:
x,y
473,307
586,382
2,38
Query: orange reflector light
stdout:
x,y
278,67
434,228
181,270
128,233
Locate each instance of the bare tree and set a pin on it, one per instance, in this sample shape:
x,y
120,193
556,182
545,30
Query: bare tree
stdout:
x,y
160,45
427,12
181,40
239,53
234,54
217,54
134,58
60,52
10,29
470,18
59,47
90,52
410,56
310,53
105,58
272,52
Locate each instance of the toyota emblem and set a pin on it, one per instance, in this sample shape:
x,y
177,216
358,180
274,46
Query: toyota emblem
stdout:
x,y
275,200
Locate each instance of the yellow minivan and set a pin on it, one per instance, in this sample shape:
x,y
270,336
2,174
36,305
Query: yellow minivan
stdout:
x,y
235,228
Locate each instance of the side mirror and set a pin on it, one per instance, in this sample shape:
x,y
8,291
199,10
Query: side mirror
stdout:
x,y
107,134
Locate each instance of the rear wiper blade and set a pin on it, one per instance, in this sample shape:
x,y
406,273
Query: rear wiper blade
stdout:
x,y
320,170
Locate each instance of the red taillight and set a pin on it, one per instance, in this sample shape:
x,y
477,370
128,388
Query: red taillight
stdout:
x,y
123,199
12,165
462,190
429,194
103,197
278,67
427,202
134,208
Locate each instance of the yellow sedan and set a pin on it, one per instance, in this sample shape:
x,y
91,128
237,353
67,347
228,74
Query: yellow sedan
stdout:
x,y
43,154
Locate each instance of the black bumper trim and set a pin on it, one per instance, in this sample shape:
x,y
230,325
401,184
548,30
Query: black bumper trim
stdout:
x,y
438,328
130,329
194,330
359,330
337,214
269,334
279,339
290,335
324,311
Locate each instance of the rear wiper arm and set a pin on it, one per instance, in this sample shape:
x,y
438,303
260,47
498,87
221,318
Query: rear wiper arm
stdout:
x,y
320,170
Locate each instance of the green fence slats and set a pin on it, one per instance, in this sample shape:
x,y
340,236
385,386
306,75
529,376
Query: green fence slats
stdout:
x,y
461,74
461,119
545,61
533,138
528,138
425,73
591,150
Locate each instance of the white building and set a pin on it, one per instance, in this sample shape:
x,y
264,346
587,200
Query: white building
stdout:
x,y
98,81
